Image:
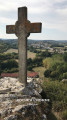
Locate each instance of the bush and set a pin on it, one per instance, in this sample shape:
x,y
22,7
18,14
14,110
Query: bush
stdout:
x,y
59,106
13,70
29,68
37,62
65,57
47,73
47,62
54,74
56,70
64,115
0,69
44,54
57,93
29,61
64,75
8,56
9,64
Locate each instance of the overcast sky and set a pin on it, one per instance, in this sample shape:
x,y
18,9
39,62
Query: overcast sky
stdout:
x,y
52,14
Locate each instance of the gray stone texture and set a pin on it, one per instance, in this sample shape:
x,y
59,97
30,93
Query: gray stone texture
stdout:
x,y
21,102
22,29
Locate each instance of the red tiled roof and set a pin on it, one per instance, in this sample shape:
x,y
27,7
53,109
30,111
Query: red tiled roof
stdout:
x,y
31,74
9,74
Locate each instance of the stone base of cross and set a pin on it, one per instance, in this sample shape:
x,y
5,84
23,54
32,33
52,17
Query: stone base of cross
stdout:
x,y
22,29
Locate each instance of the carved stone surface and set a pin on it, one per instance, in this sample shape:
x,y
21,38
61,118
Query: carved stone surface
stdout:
x,y
15,105
22,29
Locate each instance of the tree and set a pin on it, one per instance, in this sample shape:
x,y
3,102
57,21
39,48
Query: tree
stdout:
x,y
65,57
47,73
46,54
64,75
9,64
0,68
47,62
29,61
37,62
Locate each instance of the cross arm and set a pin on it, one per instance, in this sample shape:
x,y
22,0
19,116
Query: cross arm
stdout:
x,y
10,29
36,27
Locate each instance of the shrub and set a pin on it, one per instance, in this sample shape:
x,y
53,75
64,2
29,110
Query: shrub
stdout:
x,y
58,70
45,54
47,62
29,61
13,70
8,56
47,73
57,93
64,75
59,106
0,71
37,62
29,68
64,115
65,57
54,74
9,64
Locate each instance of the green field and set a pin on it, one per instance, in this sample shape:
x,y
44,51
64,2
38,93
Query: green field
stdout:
x,y
30,54
11,51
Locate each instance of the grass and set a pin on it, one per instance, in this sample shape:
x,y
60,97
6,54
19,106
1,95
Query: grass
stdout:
x,y
56,92
30,54
51,116
58,115
40,71
64,115
11,51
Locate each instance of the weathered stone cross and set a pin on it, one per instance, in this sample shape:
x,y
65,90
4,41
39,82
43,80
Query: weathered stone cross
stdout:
x,y
22,29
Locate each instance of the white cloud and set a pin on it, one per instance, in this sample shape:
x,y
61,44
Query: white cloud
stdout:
x,y
6,20
59,1
52,13
62,12
58,26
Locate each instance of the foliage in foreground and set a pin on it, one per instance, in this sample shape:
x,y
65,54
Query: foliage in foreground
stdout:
x,y
57,93
56,67
64,115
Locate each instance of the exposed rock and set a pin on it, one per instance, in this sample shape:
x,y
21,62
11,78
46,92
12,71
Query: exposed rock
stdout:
x,y
18,102
30,89
20,108
11,117
44,117
11,83
5,112
5,90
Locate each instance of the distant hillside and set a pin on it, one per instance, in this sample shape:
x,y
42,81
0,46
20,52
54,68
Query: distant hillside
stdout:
x,y
6,44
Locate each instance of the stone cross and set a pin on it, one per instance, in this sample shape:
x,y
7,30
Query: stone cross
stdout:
x,y
22,29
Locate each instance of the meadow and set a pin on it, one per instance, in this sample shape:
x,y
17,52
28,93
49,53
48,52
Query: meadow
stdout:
x,y
30,54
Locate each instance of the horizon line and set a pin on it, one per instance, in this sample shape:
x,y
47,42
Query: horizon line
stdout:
x,y
32,39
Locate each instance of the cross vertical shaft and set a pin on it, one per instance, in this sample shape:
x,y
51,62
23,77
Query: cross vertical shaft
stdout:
x,y
22,45
22,50
22,29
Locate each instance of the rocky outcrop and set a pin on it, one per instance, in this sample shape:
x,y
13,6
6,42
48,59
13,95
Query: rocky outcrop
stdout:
x,y
18,102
